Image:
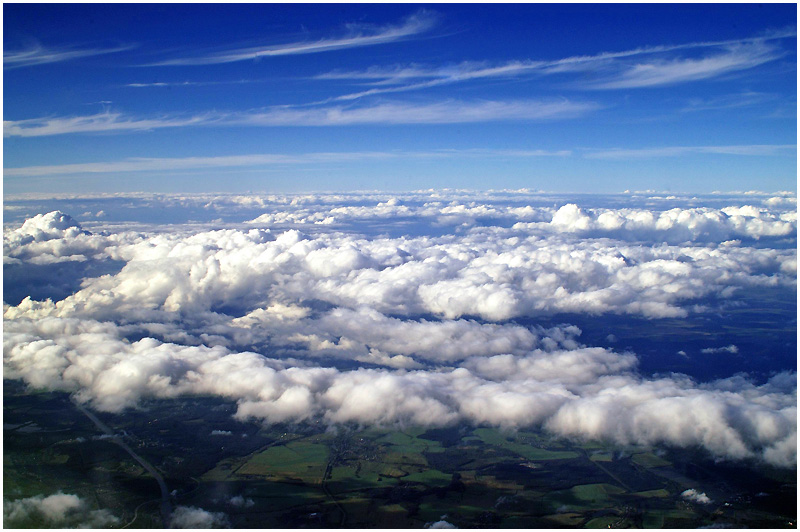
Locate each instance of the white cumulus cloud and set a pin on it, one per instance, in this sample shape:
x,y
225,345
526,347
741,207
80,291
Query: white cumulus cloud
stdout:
x,y
60,510
345,322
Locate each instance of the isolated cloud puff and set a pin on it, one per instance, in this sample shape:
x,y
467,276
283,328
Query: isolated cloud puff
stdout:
x,y
192,517
239,501
695,496
727,349
60,510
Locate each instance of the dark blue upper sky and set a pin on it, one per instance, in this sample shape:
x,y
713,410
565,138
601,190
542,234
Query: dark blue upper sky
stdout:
x,y
294,97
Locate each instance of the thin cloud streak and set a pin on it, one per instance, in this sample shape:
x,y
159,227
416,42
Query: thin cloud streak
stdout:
x,y
676,151
564,65
464,72
444,112
413,25
39,55
264,159
662,73
190,83
141,164
96,123
737,55
732,101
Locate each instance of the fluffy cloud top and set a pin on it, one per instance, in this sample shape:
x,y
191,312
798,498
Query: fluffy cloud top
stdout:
x,y
46,227
56,237
343,323
675,225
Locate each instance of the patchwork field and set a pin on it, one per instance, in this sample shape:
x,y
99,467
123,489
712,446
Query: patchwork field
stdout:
x,y
305,477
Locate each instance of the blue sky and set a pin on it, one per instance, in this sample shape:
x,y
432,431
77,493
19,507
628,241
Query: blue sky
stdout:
x,y
289,98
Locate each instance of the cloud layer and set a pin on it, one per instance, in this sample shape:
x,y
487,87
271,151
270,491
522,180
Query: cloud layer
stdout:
x,y
309,312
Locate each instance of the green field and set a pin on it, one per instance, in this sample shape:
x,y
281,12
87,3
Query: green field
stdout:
x,y
408,442
365,476
602,522
595,492
649,460
673,518
495,437
299,460
652,494
569,519
584,497
431,477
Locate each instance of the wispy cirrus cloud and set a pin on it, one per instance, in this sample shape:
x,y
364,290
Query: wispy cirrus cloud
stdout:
x,y
676,151
358,35
441,112
661,72
422,79
729,101
638,68
145,85
97,123
39,55
149,164
141,164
